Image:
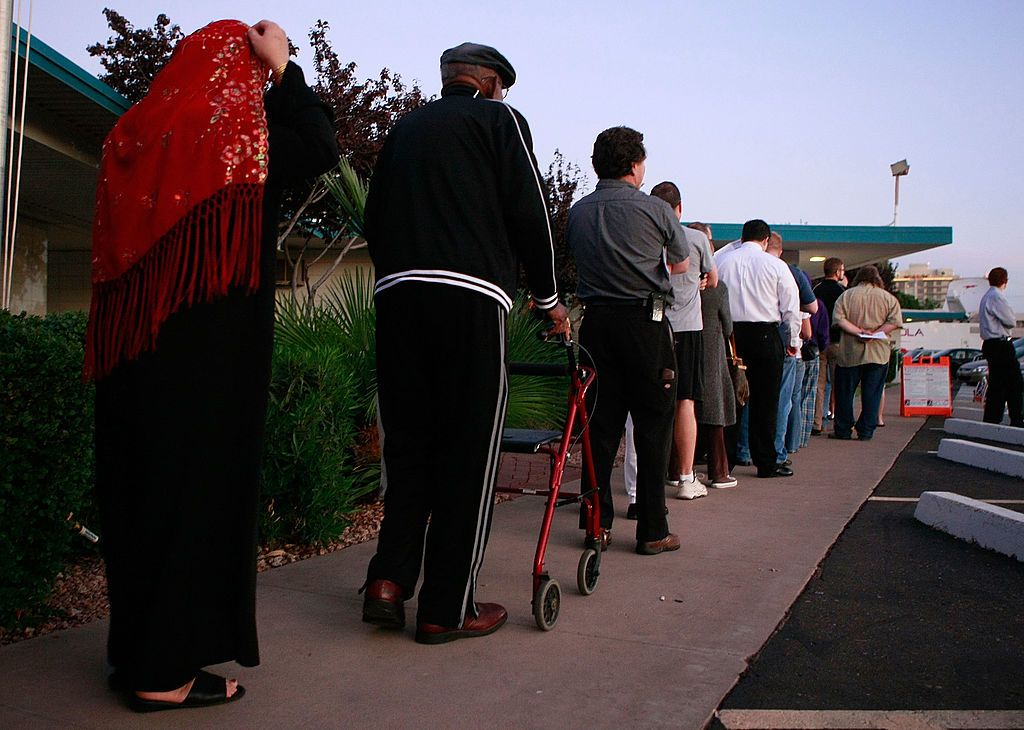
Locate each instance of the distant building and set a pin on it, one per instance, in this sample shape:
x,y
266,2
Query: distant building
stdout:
x,y
924,283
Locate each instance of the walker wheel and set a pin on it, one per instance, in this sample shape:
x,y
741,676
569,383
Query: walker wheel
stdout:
x,y
588,571
546,602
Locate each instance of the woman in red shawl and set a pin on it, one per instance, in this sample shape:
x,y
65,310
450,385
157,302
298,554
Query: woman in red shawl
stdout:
x,y
179,343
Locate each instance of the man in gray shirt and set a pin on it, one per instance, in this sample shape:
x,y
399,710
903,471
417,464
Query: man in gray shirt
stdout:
x,y
687,324
996,319
626,244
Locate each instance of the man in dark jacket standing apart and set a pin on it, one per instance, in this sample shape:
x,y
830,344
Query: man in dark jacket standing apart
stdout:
x,y
455,203
626,244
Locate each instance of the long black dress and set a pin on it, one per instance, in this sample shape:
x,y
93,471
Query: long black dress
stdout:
x,y
179,438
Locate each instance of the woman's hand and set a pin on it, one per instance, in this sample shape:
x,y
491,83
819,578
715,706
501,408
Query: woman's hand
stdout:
x,y
270,43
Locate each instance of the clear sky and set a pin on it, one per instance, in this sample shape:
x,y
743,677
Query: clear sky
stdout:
x,y
787,111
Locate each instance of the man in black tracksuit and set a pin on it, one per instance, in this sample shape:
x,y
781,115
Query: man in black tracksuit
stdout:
x,y
455,203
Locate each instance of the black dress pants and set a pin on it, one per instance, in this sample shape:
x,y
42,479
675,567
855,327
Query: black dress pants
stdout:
x,y
442,387
1004,382
635,362
759,345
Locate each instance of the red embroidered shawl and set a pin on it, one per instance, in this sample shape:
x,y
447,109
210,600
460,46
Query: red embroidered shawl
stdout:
x,y
179,200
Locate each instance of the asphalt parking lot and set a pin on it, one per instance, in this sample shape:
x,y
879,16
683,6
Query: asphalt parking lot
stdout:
x,y
900,616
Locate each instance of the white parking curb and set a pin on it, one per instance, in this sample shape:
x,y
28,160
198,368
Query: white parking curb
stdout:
x,y
992,527
988,431
992,458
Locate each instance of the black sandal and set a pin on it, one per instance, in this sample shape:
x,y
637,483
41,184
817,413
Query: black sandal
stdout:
x,y
207,690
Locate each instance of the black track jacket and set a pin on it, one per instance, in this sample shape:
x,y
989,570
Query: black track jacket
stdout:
x,y
456,198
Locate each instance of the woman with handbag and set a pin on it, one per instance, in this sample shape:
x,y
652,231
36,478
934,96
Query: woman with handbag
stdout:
x,y
718,408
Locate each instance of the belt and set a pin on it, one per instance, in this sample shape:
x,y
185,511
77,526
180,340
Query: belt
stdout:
x,y
757,324
998,339
609,302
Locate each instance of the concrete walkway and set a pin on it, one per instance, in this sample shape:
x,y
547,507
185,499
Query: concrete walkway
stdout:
x,y
659,644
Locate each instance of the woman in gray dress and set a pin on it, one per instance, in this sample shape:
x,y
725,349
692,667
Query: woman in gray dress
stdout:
x,y
718,408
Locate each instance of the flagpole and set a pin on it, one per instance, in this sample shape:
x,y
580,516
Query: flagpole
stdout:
x,y
5,85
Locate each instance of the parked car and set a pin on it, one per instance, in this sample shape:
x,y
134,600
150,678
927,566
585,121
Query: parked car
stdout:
x,y
922,352
958,356
972,372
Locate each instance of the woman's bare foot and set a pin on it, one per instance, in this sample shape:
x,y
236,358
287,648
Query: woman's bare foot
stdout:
x,y
178,696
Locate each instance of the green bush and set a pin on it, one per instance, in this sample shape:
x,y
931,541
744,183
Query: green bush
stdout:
x,y
343,319
46,454
533,402
309,489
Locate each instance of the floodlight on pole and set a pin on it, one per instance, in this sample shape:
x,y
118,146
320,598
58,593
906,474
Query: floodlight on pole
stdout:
x,y
899,169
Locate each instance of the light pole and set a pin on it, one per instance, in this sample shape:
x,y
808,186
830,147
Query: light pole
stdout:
x,y
899,169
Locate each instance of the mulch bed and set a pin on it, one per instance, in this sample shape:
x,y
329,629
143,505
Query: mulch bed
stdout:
x,y
80,592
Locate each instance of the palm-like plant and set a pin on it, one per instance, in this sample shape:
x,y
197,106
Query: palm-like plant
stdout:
x,y
533,402
348,192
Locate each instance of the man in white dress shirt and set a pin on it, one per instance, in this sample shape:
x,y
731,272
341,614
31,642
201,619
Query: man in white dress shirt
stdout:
x,y
762,295
996,320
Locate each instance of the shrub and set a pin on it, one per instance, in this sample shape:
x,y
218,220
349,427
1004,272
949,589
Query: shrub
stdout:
x,y
309,489
343,320
533,402
46,453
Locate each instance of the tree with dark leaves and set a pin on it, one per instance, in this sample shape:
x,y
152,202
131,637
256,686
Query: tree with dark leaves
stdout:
x,y
133,56
364,112
563,180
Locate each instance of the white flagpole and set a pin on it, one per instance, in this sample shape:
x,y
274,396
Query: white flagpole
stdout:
x,y
6,17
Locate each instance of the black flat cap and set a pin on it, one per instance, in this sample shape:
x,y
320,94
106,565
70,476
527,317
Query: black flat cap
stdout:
x,y
480,55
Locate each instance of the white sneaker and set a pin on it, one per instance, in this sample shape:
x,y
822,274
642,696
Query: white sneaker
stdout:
x,y
690,488
724,482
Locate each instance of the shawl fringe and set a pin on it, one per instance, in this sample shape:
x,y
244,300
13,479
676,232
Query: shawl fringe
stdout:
x,y
215,246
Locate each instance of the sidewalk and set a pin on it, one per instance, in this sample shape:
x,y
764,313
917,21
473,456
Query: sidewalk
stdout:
x,y
659,644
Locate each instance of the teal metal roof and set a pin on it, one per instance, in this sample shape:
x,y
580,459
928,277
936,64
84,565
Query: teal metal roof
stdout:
x,y
931,235
63,69
933,315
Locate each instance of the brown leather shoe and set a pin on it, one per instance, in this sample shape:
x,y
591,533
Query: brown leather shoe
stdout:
x,y
492,617
383,605
664,545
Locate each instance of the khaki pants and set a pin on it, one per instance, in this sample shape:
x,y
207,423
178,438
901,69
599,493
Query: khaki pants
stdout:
x,y
826,370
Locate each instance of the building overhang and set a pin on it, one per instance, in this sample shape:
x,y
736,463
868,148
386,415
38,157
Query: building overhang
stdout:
x,y
855,245
68,114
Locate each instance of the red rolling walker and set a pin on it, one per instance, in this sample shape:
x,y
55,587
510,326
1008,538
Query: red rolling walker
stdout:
x,y
557,444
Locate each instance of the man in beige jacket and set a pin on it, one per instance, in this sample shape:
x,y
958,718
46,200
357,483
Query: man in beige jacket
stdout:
x,y
866,313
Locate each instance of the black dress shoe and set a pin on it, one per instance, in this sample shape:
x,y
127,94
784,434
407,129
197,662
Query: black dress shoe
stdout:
x,y
383,605
631,512
744,462
815,432
777,471
837,437
787,462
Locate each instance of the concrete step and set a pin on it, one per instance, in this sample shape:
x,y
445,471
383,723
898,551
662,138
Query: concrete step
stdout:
x,y
990,526
992,458
987,431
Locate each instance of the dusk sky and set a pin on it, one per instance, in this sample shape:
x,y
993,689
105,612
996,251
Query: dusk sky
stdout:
x,y
787,111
